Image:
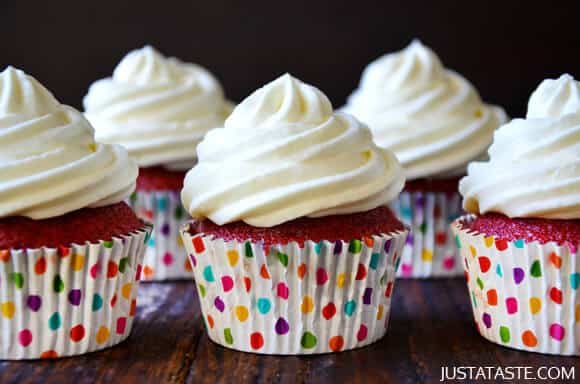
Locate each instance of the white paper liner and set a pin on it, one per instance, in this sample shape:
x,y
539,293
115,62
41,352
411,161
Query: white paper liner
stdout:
x,y
324,297
57,302
165,257
523,294
429,250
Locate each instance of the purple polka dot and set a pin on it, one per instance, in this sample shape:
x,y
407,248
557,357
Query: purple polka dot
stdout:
x,y
486,320
34,303
165,229
193,260
219,304
518,275
409,240
282,326
388,245
419,201
337,247
74,297
367,296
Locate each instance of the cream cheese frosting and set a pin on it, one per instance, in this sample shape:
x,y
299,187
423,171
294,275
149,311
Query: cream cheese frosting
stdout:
x,y
534,163
158,108
282,154
50,163
431,117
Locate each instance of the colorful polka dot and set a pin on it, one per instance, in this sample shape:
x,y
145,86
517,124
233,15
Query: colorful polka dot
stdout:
x,y
77,333
328,311
536,269
242,313
74,297
34,303
557,331
307,304
208,274
321,276
336,343
227,283
350,307
25,337
484,264
283,258
362,333
511,304
282,291
219,304
233,257
229,339
308,340
518,275
102,335
54,321
264,305
529,339
556,295
256,340
8,309
282,327
535,305
504,334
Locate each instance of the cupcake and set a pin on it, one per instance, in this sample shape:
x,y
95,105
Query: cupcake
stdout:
x,y
159,109
292,245
435,122
520,243
70,248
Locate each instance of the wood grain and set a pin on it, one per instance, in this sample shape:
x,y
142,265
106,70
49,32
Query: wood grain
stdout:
x,y
431,326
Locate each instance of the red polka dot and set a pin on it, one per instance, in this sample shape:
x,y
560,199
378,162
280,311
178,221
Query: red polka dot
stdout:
x,y
112,269
361,272
256,340
441,238
25,337
49,355
198,244
336,343
210,321
362,332
484,264
556,295
389,289
121,325
248,283
113,301
63,251
133,308
492,297
40,266
321,276
77,333
501,244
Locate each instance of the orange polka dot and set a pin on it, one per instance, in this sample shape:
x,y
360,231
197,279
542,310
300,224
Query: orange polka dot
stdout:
x,y
264,272
301,270
133,308
103,335
336,343
187,266
148,272
210,322
40,266
529,339
369,241
555,260
492,297
49,355
4,255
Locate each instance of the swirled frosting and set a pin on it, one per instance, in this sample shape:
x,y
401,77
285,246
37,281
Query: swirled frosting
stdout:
x,y
50,163
284,154
534,163
431,117
158,108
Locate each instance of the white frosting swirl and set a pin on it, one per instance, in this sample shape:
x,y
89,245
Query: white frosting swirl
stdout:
x,y
50,164
431,117
284,154
158,108
534,163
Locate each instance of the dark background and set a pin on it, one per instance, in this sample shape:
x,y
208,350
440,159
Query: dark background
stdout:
x,y
504,47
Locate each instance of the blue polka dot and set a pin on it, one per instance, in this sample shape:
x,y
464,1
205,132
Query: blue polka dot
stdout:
x,y
374,261
349,307
162,203
208,274
264,305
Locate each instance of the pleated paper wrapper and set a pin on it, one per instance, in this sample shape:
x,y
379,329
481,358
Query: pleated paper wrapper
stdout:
x,y
523,294
287,300
165,256
429,250
67,301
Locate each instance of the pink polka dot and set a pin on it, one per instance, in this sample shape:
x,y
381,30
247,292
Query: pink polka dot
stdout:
x,y
557,331
362,333
168,258
283,291
227,283
321,276
25,337
511,304
121,325
406,269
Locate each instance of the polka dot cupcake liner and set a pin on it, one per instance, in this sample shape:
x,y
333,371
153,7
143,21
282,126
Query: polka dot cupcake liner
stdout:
x,y
523,294
67,301
291,300
165,256
429,250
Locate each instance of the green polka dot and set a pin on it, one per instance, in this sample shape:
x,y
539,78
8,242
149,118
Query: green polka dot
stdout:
x,y
108,243
355,246
423,228
248,249
58,284
228,336
133,198
208,274
283,258
308,340
123,264
263,305
17,278
97,302
536,269
179,212
504,334
479,283
54,322
201,288
374,263
349,307
383,280
457,242
147,237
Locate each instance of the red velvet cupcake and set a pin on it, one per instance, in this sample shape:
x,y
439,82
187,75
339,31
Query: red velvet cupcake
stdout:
x,y
70,249
158,108
293,248
520,245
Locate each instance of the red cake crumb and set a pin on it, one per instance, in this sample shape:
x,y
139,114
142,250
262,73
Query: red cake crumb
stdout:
x,y
432,185
87,224
338,227
159,179
542,230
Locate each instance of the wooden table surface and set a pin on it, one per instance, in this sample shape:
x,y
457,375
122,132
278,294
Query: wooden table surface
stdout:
x,y
431,326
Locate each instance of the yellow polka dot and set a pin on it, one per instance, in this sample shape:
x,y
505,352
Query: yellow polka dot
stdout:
x,y
478,113
233,257
126,290
93,147
578,313
535,305
8,309
340,280
473,251
179,241
102,335
380,312
77,262
307,304
242,313
488,241
427,255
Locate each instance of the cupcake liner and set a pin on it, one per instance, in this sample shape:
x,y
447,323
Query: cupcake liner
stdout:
x,y
165,257
66,301
523,294
429,250
291,300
